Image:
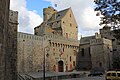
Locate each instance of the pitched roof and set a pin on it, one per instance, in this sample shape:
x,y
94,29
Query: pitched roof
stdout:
x,y
59,15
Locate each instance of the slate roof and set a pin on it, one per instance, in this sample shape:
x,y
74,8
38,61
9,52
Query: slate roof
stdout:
x,y
59,15
86,40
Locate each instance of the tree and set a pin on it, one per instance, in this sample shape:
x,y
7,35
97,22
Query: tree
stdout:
x,y
110,11
116,63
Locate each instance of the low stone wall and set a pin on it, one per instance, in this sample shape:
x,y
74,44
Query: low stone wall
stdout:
x,y
56,76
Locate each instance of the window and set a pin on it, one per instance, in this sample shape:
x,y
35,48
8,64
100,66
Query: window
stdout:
x,y
105,37
82,52
70,24
89,51
70,15
114,49
113,39
63,49
100,64
53,32
70,59
73,63
58,15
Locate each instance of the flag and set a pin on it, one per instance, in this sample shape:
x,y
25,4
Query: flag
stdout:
x,y
97,14
55,5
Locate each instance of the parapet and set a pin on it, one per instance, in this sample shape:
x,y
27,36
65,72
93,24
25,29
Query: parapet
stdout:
x,y
13,16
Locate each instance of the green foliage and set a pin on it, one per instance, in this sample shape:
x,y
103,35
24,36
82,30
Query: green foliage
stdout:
x,y
116,63
110,11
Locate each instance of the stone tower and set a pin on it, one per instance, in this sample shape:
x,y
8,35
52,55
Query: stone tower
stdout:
x,y
7,62
101,55
61,23
48,12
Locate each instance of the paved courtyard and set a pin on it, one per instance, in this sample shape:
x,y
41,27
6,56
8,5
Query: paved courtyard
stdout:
x,y
88,78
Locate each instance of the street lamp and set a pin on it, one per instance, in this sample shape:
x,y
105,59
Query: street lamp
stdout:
x,y
44,54
44,65
45,49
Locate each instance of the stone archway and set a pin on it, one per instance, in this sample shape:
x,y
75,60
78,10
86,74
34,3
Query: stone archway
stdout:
x,y
60,66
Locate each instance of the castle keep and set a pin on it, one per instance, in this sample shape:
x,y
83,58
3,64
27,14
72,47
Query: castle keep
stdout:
x,y
56,37
56,40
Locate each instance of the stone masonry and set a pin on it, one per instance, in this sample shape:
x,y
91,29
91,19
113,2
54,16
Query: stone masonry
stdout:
x,y
7,49
56,37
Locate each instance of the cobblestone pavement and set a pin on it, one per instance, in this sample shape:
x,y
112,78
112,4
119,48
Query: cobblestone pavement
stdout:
x,y
88,78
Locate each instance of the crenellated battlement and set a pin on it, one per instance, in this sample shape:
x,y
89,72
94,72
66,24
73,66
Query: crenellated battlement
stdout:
x,y
51,37
100,41
13,16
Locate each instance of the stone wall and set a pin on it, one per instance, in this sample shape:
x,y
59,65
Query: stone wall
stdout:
x,y
31,49
101,54
7,44
84,57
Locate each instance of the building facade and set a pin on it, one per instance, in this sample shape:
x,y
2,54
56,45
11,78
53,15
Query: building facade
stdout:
x,y
55,38
101,50
8,46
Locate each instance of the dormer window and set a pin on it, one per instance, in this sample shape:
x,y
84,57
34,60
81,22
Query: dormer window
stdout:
x,y
70,15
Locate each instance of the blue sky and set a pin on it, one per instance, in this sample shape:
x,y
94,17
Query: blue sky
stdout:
x,y
37,5
31,14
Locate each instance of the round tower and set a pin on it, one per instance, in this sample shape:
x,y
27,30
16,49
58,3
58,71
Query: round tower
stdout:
x,y
48,12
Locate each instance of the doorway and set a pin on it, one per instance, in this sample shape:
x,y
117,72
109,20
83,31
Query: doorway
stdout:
x,y
60,66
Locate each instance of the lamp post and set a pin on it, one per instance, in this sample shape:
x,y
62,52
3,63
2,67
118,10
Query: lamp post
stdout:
x,y
44,49
44,61
44,65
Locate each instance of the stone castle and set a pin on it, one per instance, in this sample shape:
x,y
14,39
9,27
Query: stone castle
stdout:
x,y
55,37
98,50
55,41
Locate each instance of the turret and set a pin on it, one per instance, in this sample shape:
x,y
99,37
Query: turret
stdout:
x,y
48,12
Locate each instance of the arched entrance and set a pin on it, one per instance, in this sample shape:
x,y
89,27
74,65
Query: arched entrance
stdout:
x,y
60,66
